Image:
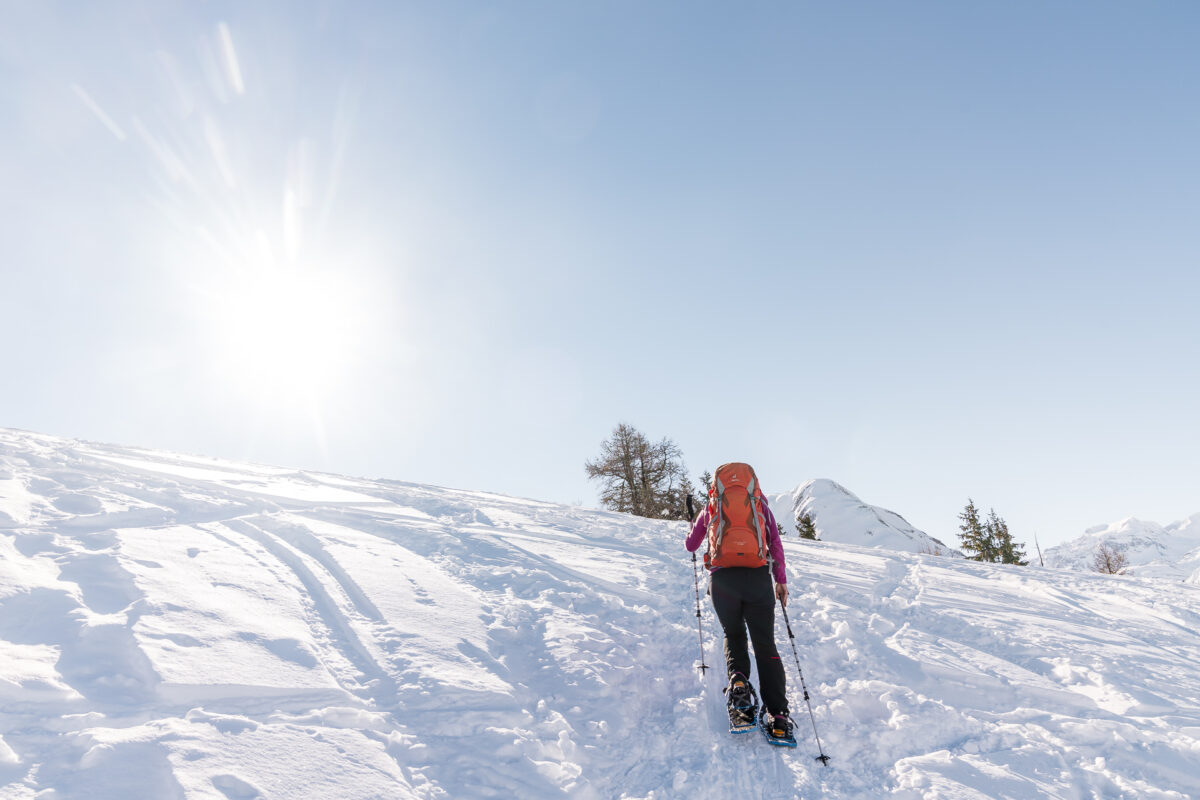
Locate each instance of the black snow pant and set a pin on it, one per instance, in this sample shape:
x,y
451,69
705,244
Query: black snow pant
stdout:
x,y
744,598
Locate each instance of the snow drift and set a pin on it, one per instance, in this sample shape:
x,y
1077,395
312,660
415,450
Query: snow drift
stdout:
x,y
181,627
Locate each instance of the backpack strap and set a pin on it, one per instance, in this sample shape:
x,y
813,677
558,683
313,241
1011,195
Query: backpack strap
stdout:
x,y
720,517
754,500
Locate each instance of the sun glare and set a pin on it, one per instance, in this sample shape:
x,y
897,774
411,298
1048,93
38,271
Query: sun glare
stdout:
x,y
281,331
285,333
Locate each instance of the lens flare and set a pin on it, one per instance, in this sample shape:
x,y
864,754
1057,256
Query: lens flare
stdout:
x,y
278,332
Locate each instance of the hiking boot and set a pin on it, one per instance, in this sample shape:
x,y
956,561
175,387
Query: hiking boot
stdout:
x,y
742,703
740,694
778,727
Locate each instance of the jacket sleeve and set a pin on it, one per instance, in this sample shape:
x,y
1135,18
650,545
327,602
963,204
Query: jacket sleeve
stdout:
x,y
699,529
775,545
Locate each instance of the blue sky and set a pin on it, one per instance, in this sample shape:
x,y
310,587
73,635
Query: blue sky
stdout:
x,y
929,250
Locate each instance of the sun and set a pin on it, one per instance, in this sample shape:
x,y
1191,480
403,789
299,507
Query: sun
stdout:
x,y
282,332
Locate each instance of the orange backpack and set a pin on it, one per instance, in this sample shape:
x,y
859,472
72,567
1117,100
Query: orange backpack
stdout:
x,y
736,523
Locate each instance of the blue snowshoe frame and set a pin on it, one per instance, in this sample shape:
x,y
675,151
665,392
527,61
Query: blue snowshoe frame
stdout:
x,y
790,741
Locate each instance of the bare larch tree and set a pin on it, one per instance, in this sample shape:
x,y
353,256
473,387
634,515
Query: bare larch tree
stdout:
x,y
640,477
1109,560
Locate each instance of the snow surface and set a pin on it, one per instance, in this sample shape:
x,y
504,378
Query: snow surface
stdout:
x,y
1151,550
839,516
180,627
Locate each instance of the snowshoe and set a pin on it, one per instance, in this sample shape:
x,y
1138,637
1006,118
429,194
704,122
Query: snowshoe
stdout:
x,y
778,729
741,721
743,704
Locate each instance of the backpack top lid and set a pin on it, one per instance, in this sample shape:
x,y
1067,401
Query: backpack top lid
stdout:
x,y
735,473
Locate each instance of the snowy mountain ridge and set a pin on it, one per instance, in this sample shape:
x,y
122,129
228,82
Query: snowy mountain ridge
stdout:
x,y
840,516
1151,550
175,627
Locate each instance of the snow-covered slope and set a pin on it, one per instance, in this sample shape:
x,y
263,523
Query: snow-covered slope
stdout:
x,y
839,516
180,627
1151,550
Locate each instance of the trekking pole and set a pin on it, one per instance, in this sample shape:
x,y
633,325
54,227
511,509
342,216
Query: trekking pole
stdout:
x,y
699,629
824,759
696,576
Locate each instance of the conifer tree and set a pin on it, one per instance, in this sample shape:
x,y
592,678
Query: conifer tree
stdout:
x,y
1007,551
973,536
988,541
806,527
994,529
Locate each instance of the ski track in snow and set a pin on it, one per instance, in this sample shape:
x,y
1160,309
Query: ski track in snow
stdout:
x,y
182,627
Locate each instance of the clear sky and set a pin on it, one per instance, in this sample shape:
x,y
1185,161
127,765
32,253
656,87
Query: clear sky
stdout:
x,y
931,250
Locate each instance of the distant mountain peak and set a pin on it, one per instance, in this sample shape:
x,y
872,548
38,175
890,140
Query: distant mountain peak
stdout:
x,y
841,516
1151,550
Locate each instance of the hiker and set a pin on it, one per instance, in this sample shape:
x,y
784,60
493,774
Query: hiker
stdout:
x,y
745,560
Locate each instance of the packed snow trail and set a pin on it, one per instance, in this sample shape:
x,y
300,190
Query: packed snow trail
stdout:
x,y
181,627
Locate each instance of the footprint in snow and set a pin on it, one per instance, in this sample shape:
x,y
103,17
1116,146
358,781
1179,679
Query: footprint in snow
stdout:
x,y
77,504
235,788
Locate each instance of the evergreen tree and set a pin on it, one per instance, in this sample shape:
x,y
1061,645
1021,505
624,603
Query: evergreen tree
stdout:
x,y
993,528
1007,551
806,527
639,476
988,541
974,538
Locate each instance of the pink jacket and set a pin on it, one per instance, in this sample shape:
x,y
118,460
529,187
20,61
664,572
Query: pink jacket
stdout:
x,y
774,545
